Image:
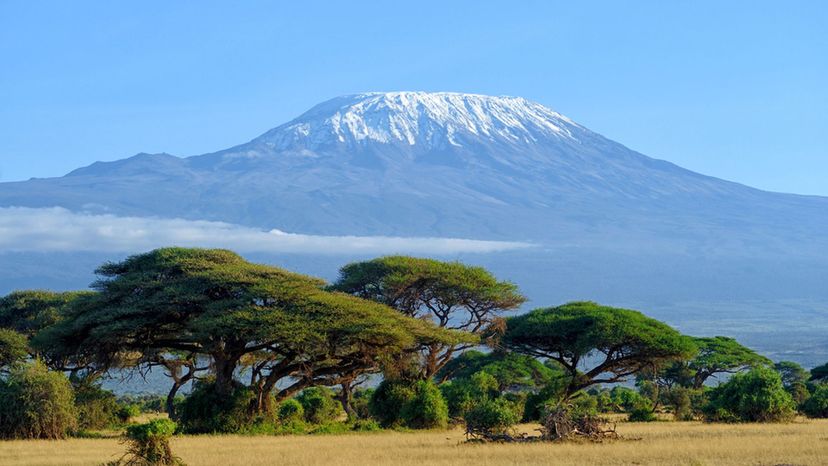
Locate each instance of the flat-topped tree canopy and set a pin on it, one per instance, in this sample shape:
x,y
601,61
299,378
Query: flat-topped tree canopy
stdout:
x,y
451,294
594,343
29,311
215,303
718,355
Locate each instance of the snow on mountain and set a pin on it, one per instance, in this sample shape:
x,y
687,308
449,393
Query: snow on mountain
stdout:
x,y
431,120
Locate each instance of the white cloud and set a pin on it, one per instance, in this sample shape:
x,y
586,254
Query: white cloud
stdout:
x,y
58,229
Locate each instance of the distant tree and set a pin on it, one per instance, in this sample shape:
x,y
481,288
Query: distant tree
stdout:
x,y
820,373
621,342
791,373
722,355
13,349
212,303
29,312
453,295
512,371
816,405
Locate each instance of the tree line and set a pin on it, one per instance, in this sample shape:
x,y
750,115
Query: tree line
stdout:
x,y
265,349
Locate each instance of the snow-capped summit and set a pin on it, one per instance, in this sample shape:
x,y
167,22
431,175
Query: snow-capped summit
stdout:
x,y
427,119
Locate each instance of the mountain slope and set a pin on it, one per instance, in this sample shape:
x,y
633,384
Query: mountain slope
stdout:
x,y
444,164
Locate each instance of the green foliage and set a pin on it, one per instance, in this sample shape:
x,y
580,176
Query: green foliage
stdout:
x,y
217,305
535,403
319,405
753,396
97,408
13,349
206,410
641,411
491,417
388,400
126,412
451,294
365,425
511,370
816,405
149,444
462,394
722,355
820,373
29,312
361,402
291,410
627,340
36,403
791,373
427,409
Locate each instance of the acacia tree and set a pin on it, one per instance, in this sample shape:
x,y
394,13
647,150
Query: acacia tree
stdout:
x,y
595,344
722,355
819,373
214,304
512,371
28,312
452,295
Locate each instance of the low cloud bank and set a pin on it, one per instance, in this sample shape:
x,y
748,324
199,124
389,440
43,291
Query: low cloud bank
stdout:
x,y
58,229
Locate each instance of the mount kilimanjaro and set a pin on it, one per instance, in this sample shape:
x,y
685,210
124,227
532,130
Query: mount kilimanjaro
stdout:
x,y
605,222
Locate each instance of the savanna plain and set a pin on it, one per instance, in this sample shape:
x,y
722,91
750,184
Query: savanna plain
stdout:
x,y
802,442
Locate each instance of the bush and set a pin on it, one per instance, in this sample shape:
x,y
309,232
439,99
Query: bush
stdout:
x,y
642,413
387,402
36,403
681,400
319,405
206,411
97,408
536,402
427,409
149,444
365,425
291,410
462,394
817,405
491,417
361,402
754,396
128,411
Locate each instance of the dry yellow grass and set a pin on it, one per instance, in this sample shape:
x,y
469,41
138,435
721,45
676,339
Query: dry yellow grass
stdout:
x,y
662,443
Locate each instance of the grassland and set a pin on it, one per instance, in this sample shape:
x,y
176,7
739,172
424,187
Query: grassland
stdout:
x,y
662,443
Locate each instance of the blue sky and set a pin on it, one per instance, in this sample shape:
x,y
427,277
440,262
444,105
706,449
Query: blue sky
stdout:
x,y
733,89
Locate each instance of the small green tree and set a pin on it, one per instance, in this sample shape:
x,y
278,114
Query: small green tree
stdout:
x,y
427,409
491,417
291,410
754,396
206,410
462,394
388,400
816,405
36,403
97,408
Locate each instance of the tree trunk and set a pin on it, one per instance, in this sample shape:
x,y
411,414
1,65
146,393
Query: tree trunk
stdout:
x,y
345,396
171,400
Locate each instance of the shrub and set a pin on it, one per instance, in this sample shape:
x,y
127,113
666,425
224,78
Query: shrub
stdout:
x,y
291,410
36,403
206,411
361,401
97,408
427,409
319,405
536,402
754,396
817,405
491,417
388,400
365,425
149,444
643,413
462,394
128,411
681,400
